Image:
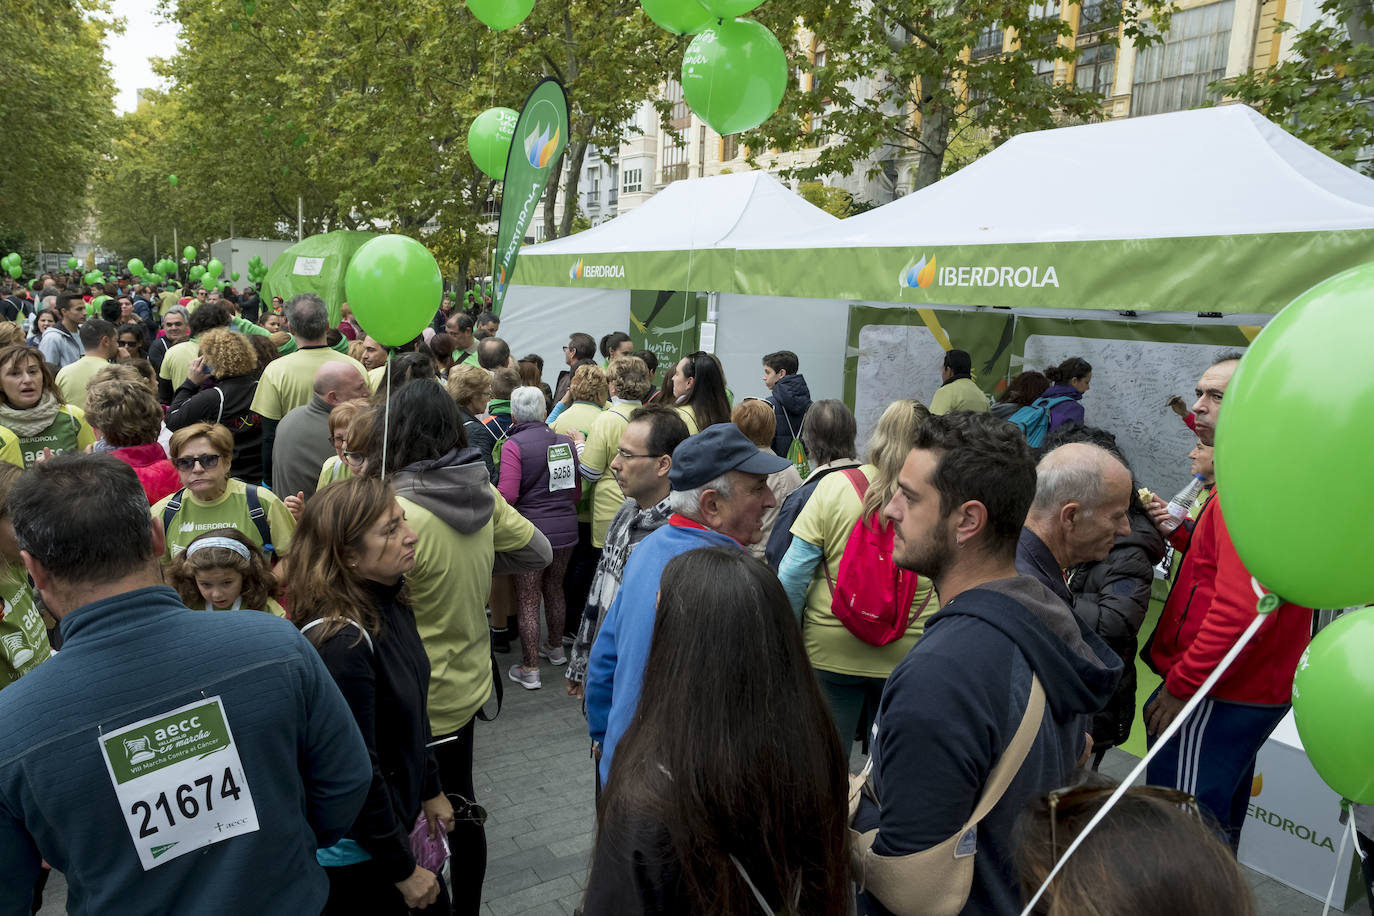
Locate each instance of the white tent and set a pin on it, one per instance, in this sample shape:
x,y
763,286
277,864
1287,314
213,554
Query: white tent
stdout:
x,y
683,238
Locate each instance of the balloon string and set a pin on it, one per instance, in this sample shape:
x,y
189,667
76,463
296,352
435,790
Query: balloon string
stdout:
x,y
1163,739
386,415
1340,856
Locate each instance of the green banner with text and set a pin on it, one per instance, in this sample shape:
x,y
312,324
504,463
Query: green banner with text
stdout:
x,y
541,134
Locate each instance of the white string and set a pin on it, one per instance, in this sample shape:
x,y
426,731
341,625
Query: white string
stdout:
x,y
1341,863
1169,732
386,414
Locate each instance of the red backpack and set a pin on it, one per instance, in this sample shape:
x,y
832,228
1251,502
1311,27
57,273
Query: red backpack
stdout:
x,y
870,595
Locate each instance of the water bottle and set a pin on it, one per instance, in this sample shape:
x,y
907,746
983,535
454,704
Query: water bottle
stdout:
x,y
1180,505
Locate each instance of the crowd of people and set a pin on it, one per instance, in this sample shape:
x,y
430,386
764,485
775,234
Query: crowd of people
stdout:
x,y
743,603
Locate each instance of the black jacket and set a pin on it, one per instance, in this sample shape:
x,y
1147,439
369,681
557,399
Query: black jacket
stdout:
x,y
192,404
949,710
1034,559
1111,598
791,400
386,686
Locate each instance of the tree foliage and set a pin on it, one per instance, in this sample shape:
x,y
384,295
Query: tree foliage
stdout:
x,y
911,77
1324,92
56,98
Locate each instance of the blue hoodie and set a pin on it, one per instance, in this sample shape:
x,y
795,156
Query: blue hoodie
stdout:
x,y
951,707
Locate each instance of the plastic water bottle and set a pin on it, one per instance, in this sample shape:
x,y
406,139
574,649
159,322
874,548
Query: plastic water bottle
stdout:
x,y
1183,502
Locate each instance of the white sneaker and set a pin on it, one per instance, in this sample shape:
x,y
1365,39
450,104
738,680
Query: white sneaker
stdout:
x,y
555,655
525,677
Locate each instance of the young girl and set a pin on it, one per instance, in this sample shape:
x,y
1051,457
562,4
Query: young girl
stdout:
x,y
222,570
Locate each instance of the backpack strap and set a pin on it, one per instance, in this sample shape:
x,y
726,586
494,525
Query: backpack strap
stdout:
x,y
1049,403
319,620
259,516
859,481
171,509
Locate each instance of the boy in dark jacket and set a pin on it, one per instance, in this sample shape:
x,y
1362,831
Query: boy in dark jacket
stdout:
x,y
790,397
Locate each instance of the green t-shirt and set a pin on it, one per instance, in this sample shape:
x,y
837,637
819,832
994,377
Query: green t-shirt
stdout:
x,y
449,586
289,382
960,394
9,448
581,416
826,521
177,361
23,637
602,442
689,417
194,518
333,469
72,379
68,432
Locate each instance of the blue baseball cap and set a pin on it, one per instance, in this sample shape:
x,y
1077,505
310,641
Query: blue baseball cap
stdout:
x,y
713,451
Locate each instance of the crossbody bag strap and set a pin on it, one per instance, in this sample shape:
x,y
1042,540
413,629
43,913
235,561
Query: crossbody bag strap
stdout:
x,y
353,623
1013,756
219,416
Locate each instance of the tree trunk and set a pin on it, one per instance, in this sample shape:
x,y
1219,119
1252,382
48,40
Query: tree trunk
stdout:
x,y
930,156
579,153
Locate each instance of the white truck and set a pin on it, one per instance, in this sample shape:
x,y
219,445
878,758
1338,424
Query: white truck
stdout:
x,y
235,253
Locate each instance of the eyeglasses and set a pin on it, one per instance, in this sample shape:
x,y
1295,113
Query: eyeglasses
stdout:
x,y
354,459
624,455
1070,800
464,810
187,462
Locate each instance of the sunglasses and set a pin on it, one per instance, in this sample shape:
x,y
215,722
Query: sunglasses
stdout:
x,y
187,462
464,810
1069,801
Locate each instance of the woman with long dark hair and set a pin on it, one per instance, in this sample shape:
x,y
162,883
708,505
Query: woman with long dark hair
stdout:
x,y
700,387
346,580
1023,391
733,803
1069,381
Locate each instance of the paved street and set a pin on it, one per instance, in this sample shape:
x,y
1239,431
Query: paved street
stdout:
x,y
535,779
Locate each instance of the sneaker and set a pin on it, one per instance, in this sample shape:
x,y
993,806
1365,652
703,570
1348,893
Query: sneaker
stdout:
x,y
500,640
555,655
525,677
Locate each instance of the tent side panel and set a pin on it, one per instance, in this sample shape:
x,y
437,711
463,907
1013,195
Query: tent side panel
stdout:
x,y
539,320
751,326
702,270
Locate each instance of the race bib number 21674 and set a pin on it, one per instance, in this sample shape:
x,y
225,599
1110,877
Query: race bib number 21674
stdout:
x,y
179,781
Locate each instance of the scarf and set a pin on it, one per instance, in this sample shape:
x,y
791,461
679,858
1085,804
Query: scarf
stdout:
x,y
31,422
499,406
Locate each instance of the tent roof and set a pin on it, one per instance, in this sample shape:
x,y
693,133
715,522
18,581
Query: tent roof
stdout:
x,y
1207,172
722,211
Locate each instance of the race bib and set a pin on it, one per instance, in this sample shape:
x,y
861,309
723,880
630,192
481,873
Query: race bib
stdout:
x,y
561,468
179,781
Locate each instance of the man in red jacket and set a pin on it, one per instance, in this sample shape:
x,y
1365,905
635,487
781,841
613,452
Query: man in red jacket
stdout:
x,y
1212,602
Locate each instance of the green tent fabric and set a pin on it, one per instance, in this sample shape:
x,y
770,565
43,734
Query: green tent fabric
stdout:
x,y
316,265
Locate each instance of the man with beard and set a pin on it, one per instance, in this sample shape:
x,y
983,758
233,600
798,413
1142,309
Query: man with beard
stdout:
x,y
1003,657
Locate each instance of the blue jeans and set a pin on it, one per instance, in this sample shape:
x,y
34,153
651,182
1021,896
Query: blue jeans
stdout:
x,y
1212,758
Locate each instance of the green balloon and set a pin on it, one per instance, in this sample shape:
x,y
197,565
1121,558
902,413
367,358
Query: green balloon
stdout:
x,y
1305,379
394,287
33,284
489,140
172,180
498,15
234,275
1332,694
189,253
214,268
197,272
9,260
71,263
15,272
681,17
136,267
733,75
728,9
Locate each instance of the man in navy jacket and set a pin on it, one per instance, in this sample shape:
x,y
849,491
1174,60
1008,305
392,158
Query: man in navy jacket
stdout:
x,y
166,760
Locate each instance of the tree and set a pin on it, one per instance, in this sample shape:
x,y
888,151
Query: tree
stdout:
x,y
56,101
911,77
1324,92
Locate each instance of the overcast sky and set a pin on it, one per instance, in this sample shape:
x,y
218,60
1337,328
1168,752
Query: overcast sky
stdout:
x,y
130,55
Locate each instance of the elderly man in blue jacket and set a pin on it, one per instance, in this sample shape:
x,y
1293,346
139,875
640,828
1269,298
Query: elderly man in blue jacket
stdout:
x,y
165,760
719,492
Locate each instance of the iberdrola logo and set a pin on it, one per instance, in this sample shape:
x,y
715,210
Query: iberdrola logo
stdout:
x,y
917,274
540,144
501,277
575,272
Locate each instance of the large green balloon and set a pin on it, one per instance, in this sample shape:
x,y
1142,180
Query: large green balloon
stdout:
x,y
489,140
214,268
1305,383
16,272
728,9
733,75
1333,704
136,267
498,15
71,263
189,253
394,287
172,180
681,17
197,272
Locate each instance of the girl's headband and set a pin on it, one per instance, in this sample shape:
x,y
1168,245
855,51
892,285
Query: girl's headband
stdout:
x,y
226,543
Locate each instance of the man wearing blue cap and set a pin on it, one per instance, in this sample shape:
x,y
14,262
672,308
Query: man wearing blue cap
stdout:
x,y
719,492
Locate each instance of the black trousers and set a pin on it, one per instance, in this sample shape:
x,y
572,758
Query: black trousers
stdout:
x,y
468,841
577,581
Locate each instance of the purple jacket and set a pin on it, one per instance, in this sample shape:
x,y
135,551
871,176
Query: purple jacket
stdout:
x,y
1067,411
524,482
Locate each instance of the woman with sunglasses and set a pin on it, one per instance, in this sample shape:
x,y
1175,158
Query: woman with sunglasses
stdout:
x,y
133,342
228,362
208,498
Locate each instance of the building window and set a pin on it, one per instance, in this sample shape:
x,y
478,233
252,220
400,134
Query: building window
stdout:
x,y
1096,69
633,181
680,112
1174,74
1044,71
729,147
594,186
989,43
674,159
1092,17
